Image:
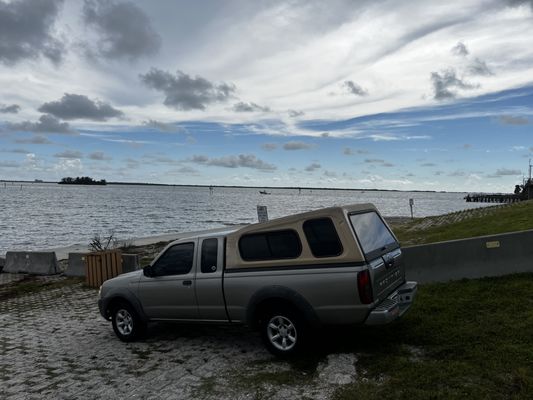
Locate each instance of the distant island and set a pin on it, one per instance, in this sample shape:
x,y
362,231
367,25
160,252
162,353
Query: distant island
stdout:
x,y
84,180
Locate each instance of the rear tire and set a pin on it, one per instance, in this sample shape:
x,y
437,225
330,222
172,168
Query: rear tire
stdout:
x,y
283,332
126,322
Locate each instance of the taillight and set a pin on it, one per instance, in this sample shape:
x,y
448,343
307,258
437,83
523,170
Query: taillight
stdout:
x,y
365,287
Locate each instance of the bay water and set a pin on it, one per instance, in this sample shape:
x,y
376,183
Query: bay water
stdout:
x,y
36,216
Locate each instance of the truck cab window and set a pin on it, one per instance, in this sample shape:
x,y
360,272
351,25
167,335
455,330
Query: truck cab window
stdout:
x,y
177,260
209,255
270,245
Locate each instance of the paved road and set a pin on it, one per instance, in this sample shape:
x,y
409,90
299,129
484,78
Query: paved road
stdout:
x,y
54,344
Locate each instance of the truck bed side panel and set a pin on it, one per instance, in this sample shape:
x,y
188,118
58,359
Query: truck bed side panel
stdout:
x,y
330,290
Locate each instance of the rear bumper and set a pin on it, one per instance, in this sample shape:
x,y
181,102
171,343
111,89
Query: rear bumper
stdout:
x,y
394,306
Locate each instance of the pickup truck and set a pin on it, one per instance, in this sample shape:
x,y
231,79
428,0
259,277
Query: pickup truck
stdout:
x,y
286,277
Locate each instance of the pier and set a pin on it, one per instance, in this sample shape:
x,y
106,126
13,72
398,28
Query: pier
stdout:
x,y
492,198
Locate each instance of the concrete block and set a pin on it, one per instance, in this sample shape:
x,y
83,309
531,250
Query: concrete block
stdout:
x,y
479,257
130,262
31,262
76,265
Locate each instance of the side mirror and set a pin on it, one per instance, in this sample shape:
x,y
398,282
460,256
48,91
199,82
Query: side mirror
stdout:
x,y
148,271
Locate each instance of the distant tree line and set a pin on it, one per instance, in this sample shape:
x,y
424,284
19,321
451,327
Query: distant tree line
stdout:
x,y
84,180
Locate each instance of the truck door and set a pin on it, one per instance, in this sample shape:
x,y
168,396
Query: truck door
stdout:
x,y
170,292
209,292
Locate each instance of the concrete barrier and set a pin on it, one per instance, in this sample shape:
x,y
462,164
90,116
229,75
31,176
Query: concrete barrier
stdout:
x,y
76,265
30,262
130,262
493,255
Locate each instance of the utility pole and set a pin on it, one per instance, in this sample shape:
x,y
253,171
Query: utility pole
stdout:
x,y
529,182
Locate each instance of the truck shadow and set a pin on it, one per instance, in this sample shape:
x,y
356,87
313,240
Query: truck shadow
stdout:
x,y
322,343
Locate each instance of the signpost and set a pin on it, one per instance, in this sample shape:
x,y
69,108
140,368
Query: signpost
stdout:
x,y
262,214
411,204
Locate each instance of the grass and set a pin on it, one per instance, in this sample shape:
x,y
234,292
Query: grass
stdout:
x,y
515,217
30,284
469,339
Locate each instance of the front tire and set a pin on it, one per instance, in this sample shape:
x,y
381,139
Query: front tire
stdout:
x,y
283,333
126,322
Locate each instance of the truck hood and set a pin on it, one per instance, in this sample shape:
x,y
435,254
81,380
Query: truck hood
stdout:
x,y
129,277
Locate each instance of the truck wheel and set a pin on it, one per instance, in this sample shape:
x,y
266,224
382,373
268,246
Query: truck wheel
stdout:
x,y
283,333
126,323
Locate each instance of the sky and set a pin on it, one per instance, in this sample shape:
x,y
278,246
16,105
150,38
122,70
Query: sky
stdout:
x,y
363,94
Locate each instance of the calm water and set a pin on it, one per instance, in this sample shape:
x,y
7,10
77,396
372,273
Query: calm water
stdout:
x,y
39,216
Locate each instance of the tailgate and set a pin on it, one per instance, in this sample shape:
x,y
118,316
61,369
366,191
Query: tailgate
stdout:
x,y
387,272
382,252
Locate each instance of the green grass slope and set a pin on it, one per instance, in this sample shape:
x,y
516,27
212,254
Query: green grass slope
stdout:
x,y
467,224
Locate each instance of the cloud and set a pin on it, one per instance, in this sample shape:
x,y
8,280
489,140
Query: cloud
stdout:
x,y
446,80
505,172
479,67
26,29
69,165
98,156
249,107
428,165
183,92
124,30
330,174
467,146
294,145
12,109
46,124
517,3
350,152
38,139
162,126
242,160
132,163
457,173
460,49
374,161
9,164
186,170
77,106
17,151
354,88
313,167
71,154
295,113
269,146
512,120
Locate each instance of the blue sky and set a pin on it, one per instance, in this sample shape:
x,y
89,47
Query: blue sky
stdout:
x,y
368,94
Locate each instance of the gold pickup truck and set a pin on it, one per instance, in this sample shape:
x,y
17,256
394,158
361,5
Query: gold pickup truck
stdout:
x,y
285,277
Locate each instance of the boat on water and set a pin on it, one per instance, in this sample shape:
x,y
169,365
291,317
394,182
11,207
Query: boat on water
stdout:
x,y
264,192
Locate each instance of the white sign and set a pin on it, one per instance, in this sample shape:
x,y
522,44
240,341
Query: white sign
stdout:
x,y
262,213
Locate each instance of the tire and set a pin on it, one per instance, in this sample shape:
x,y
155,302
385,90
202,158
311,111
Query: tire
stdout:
x,y
126,322
283,332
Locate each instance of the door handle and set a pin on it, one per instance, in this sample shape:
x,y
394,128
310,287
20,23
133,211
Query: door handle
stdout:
x,y
187,283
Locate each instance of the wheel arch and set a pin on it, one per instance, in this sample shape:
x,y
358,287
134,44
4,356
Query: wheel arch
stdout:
x,y
278,296
115,298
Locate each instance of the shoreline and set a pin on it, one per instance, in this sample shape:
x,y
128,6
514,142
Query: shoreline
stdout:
x,y
63,252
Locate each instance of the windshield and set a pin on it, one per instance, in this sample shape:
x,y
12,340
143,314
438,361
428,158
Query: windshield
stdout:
x,y
374,236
